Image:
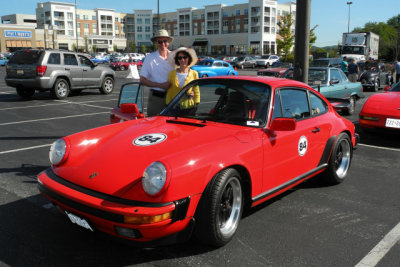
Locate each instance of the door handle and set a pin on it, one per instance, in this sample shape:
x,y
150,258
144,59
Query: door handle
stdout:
x,y
67,69
316,130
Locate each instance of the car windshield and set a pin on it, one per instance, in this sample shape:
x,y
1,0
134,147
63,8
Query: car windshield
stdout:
x,y
320,63
317,75
265,57
229,101
357,50
26,57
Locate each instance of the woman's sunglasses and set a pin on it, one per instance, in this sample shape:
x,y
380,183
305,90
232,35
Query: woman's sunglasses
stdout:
x,y
182,57
162,41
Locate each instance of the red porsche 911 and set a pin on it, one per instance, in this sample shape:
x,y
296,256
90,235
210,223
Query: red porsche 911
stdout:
x,y
222,145
382,111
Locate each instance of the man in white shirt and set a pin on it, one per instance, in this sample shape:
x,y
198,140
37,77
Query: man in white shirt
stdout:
x,y
154,73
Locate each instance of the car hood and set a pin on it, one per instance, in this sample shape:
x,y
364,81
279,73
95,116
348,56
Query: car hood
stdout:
x,y
112,160
383,103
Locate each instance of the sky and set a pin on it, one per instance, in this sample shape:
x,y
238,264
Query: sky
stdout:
x,y
331,16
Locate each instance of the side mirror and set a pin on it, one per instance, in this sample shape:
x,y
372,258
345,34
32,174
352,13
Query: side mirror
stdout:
x,y
335,81
387,88
283,124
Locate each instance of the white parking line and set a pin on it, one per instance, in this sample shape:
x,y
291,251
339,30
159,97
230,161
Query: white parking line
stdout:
x,y
380,250
23,149
381,147
55,118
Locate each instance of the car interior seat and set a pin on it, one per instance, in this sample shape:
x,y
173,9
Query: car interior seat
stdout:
x,y
236,106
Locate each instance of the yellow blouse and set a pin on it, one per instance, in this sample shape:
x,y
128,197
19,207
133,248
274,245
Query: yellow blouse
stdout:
x,y
174,89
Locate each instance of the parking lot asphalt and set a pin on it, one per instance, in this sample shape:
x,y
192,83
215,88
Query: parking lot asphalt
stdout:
x,y
356,222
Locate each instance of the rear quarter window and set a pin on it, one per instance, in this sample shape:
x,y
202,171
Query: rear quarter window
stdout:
x,y
26,57
54,58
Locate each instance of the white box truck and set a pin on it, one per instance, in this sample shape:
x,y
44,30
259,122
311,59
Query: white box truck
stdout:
x,y
360,46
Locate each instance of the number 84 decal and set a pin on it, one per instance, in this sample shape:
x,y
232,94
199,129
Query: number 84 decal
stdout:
x,y
149,139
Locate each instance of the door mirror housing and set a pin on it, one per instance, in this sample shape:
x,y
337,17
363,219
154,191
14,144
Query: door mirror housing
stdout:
x,y
283,124
335,81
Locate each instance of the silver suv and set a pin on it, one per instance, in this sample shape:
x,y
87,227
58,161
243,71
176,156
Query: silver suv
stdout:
x,y
57,71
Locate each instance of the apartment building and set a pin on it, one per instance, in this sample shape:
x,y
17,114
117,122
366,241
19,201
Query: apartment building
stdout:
x,y
213,30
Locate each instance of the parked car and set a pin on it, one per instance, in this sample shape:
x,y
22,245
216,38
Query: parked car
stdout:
x,y
275,71
213,67
267,60
125,63
101,59
3,61
334,85
137,56
204,57
326,62
244,62
58,71
177,175
374,75
381,111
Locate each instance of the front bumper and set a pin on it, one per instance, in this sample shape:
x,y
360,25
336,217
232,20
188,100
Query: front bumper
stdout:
x,y
106,213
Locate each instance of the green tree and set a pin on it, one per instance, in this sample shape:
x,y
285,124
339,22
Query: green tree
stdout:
x,y
286,40
133,47
115,48
94,48
73,47
395,23
313,37
250,50
143,49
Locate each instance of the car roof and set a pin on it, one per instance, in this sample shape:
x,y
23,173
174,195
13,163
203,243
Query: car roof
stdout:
x,y
271,81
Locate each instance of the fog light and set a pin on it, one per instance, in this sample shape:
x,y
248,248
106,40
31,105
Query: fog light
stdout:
x,y
128,232
147,219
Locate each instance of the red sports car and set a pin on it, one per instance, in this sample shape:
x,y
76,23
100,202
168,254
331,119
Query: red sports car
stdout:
x,y
194,168
273,72
382,111
125,63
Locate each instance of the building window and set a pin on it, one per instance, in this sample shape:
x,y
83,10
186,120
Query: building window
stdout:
x,y
70,16
86,25
140,37
139,28
139,21
116,27
94,26
147,29
77,16
85,17
79,25
246,11
146,21
238,12
116,19
148,37
224,14
71,33
70,25
94,18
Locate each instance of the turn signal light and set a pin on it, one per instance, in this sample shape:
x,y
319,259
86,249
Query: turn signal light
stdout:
x,y
369,118
147,219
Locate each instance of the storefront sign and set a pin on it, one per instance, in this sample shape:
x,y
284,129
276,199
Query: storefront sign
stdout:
x,y
18,34
100,41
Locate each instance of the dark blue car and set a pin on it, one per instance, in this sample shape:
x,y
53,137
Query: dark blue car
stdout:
x,y
214,67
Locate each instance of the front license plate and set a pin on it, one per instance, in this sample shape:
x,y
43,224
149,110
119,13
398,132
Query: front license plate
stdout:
x,y
79,221
20,72
392,123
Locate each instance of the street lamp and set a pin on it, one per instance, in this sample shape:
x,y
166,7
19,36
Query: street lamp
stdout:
x,y
348,23
76,29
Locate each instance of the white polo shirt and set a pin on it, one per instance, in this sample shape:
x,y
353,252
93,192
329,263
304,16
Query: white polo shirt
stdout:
x,y
156,69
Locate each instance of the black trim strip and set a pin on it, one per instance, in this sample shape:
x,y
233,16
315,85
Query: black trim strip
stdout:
x,y
287,184
58,179
81,207
186,123
327,150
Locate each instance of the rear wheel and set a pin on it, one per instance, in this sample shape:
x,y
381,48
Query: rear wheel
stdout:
x,y
340,160
61,89
25,92
204,75
122,67
107,86
220,209
352,106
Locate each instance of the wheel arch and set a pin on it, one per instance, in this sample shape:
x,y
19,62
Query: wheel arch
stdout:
x,y
66,78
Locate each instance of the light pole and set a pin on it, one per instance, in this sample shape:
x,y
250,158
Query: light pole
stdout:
x,y
348,23
76,29
158,14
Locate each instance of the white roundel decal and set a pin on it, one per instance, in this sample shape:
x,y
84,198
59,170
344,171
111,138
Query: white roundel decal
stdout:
x,y
303,144
149,139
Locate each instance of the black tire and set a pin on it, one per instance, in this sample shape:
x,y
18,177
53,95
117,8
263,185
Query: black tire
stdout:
x,y
107,86
25,92
122,68
340,160
204,76
352,108
61,89
220,209
267,65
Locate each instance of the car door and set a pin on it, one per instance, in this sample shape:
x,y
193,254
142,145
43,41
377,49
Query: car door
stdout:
x,y
335,87
75,71
217,68
91,74
131,94
289,155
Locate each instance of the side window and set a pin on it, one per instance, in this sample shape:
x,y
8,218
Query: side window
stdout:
x,y
335,75
277,107
54,58
318,106
295,104
226,65
84,61
217,64
70,59
343,76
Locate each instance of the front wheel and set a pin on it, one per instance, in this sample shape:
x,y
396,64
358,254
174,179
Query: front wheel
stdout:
x,y
340,160
108,86
220,209
25,92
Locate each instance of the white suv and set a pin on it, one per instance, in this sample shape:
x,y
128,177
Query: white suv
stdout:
x,y
267,60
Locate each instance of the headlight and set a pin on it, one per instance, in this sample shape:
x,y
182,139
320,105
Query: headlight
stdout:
x,y
154,178
58,151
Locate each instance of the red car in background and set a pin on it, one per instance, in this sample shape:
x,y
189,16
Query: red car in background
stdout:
x,y
195,167
125,63
382,110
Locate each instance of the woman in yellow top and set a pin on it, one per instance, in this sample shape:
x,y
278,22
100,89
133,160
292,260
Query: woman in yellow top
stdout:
x,y
182,59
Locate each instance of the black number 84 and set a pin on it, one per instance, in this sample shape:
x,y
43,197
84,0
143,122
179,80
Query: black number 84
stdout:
x,y
149,138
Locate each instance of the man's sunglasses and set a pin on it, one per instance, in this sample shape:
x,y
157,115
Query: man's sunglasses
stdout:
x,y
182,57
162,41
